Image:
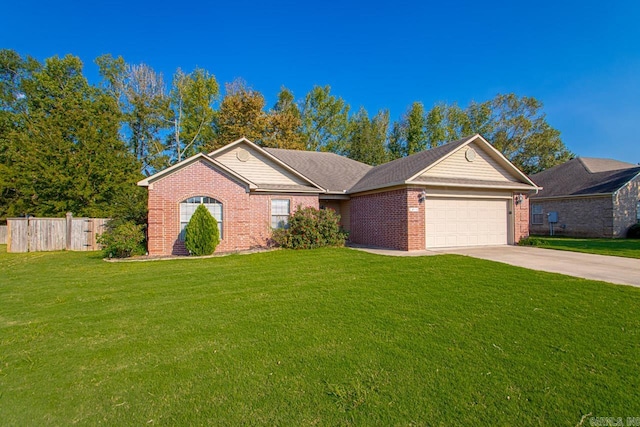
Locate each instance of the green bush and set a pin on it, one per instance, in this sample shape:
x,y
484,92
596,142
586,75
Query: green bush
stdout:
x,y
634,232
202,234
532,241
122,239
311,228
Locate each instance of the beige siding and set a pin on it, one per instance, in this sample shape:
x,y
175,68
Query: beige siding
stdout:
x,y
257,168
484,167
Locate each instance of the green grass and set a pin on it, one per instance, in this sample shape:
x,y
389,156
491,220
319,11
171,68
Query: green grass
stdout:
x,y
629,248
323,337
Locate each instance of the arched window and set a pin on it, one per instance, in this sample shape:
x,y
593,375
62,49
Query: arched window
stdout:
x,y
189,206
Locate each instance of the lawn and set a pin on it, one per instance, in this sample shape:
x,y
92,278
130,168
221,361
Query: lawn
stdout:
x,y
629,248
323,337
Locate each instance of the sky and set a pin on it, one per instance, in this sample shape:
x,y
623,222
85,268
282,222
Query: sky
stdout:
x,y
580,58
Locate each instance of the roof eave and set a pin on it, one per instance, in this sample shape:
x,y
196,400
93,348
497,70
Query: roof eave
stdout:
x,y
492,186
288,190
574,196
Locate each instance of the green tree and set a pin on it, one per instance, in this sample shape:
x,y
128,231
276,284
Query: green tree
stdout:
x,y
66,154
516,126
395,145
13,71
325,120
240,115
284,128
191,112
141,95
522,134
416,137
202,235
367,137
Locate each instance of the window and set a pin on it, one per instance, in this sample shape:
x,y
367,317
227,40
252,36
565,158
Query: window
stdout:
x,y
638,211
536,214
279,213
189,206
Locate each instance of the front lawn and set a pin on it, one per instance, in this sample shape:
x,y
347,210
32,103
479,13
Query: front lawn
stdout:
x,y
629,248
323,337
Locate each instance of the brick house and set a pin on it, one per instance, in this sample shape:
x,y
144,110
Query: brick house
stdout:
x,y
591,198
464,193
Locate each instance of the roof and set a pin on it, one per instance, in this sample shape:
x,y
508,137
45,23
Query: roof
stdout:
x,y
335,174
585,176
330,171
400,170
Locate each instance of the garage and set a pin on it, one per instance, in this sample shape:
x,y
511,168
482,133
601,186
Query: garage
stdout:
x,y
453,222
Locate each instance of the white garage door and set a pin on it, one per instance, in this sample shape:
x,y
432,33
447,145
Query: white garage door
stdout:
x,y
466,222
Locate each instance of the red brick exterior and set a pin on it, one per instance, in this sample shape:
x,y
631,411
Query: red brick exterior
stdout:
x,y
391,219
521,219
386,219
246,217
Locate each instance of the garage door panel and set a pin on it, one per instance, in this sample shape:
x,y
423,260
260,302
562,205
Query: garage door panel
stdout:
x,y
465,222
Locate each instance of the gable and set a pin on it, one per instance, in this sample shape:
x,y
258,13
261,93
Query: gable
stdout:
x,y
483,167
255,166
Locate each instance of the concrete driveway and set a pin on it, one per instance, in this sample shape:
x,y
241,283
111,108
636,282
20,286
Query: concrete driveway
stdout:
x,y
625,271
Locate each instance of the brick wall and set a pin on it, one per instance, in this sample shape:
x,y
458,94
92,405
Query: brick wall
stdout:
x,y
521,219
626,205
384,220
246,218
580,217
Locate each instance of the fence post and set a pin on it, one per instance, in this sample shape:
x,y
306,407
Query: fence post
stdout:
x,y
69,229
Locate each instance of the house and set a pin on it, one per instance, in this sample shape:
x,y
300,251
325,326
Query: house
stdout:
x,y
587,197
463,193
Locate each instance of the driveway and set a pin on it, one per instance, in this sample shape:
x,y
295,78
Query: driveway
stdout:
x,y
625,271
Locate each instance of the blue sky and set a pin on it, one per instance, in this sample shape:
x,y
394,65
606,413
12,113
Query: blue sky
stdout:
x,y
580,58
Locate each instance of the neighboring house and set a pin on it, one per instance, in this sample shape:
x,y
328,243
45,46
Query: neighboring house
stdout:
x,y
464,193
590,198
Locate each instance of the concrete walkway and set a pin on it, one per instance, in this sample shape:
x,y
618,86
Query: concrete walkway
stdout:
x,y
625,271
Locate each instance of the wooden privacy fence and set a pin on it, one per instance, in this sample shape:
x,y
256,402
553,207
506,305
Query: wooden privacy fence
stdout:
x,y
54,234
3,234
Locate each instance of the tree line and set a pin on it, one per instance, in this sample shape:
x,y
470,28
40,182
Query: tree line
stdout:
x,y
69,145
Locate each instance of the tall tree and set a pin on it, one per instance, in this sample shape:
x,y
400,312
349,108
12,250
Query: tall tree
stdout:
x,y
284,124
13,105
67,154
416,137
516,126
325,121
240,115
141,95
191,112
395,145
367,137
522,134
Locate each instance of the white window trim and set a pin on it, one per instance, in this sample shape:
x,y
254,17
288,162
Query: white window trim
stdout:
x,y
183,224
280,215
534,214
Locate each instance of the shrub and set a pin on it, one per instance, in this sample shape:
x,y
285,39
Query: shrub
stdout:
x,y
202,234
532,241
311,228
634,231
122,239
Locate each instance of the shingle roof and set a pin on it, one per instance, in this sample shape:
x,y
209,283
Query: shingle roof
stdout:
x,y
582,176
400,170
330,171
